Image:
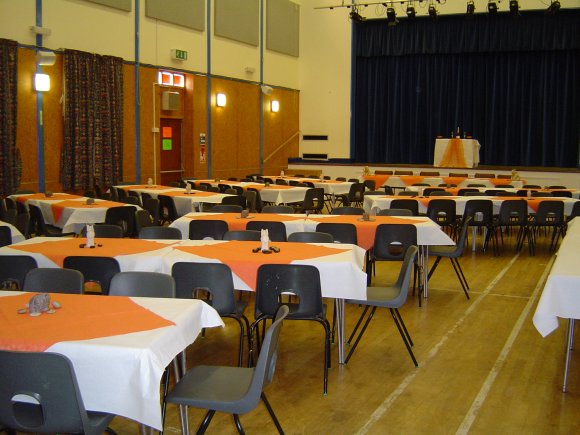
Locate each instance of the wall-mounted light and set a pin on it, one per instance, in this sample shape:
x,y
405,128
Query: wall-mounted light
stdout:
x,y
275,106
41,82
220,100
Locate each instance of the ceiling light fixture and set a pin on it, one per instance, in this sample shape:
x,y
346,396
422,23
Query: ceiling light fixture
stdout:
x,y
411,10
553,8
432,11
470,8
492,7
391,17
514,8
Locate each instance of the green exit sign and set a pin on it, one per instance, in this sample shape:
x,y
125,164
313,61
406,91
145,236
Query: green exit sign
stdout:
x,y
179,54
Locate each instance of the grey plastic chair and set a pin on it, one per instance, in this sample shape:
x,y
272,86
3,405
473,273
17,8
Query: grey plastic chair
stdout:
x,y
276,230
395,212
99,270
13,270
123,216
310,237
143,284
347,210
226,208
40,227
248,235
235,390
49,379
303,281
5,236
157,232
52,280
340,232
392,297
215,279
105,231
453,253
279,209
200,229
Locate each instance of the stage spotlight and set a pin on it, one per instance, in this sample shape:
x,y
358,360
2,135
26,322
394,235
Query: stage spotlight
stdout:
x,y
432,12
356,17
411,11
514,8
391,17
553,8
492,7
470,8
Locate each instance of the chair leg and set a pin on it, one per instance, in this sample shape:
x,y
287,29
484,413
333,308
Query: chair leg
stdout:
x,y
402,332
205,423
403,325
360,335
460,276
271,412
239,424
241,345
358,324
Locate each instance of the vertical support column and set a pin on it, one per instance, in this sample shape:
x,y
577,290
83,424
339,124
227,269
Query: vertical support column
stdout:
x,y
261,151
208,90
137,99
39,109
352,87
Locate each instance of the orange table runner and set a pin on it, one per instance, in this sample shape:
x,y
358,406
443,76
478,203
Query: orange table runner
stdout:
x,y
236,223
365,230
59,250
244,263
54,197
58,208
82,317
378,179
454,180
454,156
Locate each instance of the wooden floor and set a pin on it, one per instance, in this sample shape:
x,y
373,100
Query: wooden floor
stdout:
x,y
483,367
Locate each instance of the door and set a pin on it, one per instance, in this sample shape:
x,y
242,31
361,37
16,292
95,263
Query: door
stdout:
x,y
171,167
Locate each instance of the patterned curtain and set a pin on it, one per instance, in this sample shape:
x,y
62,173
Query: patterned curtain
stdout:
x,y
92,152
10,164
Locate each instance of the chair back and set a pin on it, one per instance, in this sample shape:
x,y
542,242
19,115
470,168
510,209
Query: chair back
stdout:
x,y
459,174
356,193
266,364
227,208
276,230
340,232
480,211
395,212
300,280
167,210
248,235
442,211
200,229
13,270
123,216
214,278
279,209
5,235
411,204
562,193
403,172
37,223
257,207
310,237
513,213
550,213
159,232
48,381
235,200
370,184
105,231
152,206
143,284
392,240
52,280
408,193
348,210
429,190
251,200
542,194
143,219
575,211
466,191
429,173
94,269
403,280
313,200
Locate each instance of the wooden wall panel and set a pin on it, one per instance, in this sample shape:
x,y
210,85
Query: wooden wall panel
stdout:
x,y
53,126
194,166
128,122
235,129
149,119
280,128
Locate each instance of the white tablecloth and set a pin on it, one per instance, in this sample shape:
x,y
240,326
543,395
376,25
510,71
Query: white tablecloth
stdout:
x,y
561,294
121,374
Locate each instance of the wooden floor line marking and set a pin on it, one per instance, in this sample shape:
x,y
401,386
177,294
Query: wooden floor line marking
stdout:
x,y
500,361
384,407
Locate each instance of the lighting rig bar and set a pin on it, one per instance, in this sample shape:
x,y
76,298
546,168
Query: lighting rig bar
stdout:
x,y
358,5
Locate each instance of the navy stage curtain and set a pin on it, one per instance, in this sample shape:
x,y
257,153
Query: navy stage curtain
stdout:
x,y
513,84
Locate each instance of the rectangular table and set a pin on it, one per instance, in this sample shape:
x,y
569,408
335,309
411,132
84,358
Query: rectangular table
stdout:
x,y
561,294
118,363
456,153
69,212
406,181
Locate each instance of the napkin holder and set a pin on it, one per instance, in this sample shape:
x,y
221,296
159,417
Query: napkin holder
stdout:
x,y
245,214
90,201
48,194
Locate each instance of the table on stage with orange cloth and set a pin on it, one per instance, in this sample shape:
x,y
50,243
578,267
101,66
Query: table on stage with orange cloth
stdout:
x,y
456,153
132,254
340,266
69,212
119,346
